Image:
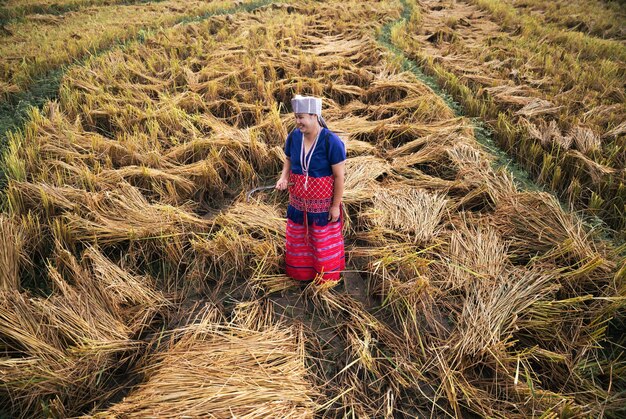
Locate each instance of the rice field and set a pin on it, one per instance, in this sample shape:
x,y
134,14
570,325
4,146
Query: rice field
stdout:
x,y
138,280
37,43
11,9
553,97
604,19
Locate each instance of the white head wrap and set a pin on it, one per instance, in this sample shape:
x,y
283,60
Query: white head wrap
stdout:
x,y
307,104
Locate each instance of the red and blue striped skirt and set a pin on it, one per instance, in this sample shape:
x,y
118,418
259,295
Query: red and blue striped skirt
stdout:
x,y
317,254
314,246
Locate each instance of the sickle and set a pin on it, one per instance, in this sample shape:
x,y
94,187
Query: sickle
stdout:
x,y
261,188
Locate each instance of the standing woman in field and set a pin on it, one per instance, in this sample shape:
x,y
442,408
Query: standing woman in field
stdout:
x,y
314,172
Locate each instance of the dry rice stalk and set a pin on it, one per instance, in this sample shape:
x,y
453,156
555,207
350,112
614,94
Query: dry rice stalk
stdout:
x,y
560,325
392,87
41,197
253,218
361,175
105,316
500,185
535,224
132,295
204,175
253,315
468,159
376,356
517,95
538,107
596,171
64,346
360,128
225,370
585,139
124,214
225,141
447,132
409,147
490,310
432,154
250,240
173,188
10,253
272,283
413,212
476,253
400,276
71,143
226,252
417,179
359,148
205,124
616,131
23,326
548,134
376,235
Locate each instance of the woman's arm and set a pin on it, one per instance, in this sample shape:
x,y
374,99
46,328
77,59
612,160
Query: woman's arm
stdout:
x,y
284,175
339,171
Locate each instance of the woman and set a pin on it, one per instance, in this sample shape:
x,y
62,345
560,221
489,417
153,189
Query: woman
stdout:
x,y
314,172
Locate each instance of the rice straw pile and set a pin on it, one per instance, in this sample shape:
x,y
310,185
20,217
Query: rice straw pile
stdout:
x,y
222,370
63,351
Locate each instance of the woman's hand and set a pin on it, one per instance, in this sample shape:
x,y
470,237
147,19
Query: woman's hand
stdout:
x,y
333,213
282,183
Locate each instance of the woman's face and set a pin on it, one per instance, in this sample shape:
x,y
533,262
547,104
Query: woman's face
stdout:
x,y
307,123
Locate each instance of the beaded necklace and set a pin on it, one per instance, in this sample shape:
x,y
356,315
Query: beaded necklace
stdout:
x,y
306,161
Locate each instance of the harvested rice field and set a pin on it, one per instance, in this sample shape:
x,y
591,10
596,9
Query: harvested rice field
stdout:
x,y
139,279
37,43
554,97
